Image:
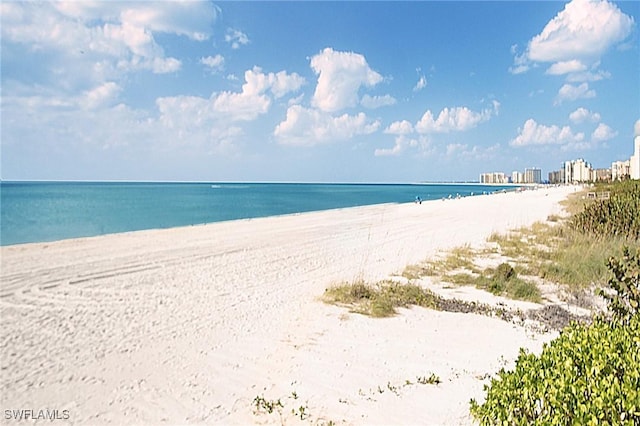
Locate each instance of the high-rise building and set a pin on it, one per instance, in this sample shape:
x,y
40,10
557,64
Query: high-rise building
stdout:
x,y
493,177
577,171
517,177
568,172
532,175
620,170
556,176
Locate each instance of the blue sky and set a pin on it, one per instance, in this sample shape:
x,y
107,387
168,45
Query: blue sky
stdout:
x,y
314,91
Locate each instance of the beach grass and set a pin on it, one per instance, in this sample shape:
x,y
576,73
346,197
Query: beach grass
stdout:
x,y
460,278
575,202
414,272
559,254
500,281
556,251
459,258
459,267
381,299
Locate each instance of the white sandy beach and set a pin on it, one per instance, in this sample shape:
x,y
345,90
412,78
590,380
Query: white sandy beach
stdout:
x,y
189,325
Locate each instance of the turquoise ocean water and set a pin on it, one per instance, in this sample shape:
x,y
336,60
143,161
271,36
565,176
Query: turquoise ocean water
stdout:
x,y
49,211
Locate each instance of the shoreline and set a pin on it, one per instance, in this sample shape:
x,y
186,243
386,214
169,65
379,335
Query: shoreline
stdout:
x,y
204,224
190,324
511,188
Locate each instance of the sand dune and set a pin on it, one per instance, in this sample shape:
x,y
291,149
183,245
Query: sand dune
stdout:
x,y
189,325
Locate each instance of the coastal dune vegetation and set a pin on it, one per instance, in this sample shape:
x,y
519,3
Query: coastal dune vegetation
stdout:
x,y
590,374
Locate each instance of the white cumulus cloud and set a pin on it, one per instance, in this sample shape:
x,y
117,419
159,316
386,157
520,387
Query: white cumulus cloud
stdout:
x,y
460,151
520,61
456,149
399,128
566,67
100,95
199,121
583,29
214,63
402,143
577,37
309,126
254,100
569,92
236,38
340,76
603,133
579,77
241,106
421,84
190,19
279,83
456,119
97,42
373,102
533,133
582,114
215,115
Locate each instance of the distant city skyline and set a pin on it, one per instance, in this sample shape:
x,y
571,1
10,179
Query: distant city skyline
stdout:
x,y
314,91
576,170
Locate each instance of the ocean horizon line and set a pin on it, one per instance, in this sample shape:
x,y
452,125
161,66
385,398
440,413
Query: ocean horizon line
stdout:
x,y
259,182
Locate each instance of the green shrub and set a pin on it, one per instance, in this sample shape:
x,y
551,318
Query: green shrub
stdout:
x,y
524,290
590,375
505,281
504,272
617,216
625,303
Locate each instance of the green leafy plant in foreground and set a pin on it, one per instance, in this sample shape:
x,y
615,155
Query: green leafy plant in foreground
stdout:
x,y
589,375
625,303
